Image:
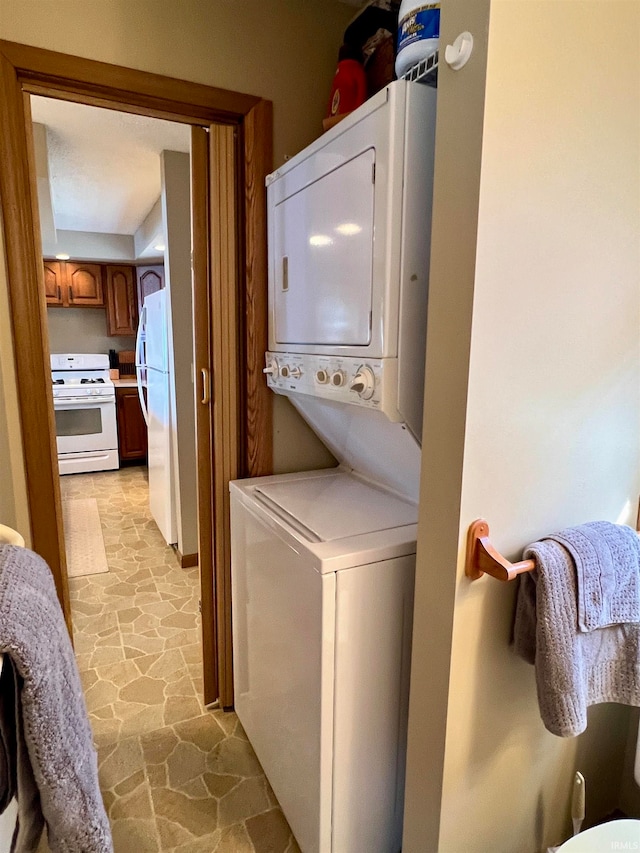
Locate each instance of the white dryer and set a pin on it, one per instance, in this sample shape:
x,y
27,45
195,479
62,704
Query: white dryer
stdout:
x,y
322,586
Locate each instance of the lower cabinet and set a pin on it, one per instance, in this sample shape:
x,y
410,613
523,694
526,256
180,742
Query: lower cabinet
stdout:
x,y
132,430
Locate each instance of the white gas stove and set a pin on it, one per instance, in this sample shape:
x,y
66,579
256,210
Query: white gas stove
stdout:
x,y
84,403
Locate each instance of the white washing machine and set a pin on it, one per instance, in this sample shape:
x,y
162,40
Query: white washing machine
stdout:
x,y
322,583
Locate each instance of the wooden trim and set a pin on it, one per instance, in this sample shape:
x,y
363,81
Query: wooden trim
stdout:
x,y
46,72
223,212
188,561
30,334
257,401
204,426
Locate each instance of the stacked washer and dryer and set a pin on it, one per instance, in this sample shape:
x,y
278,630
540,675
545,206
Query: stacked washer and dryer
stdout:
x,y
323,563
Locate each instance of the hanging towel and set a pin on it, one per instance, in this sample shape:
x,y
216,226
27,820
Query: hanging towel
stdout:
x,y
46,750
607,559
574,669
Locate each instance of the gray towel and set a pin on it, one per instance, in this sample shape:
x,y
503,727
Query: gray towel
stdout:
x,y
607,559
47,745
574,669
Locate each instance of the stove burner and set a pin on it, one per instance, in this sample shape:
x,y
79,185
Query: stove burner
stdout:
x,y
58,381
92,381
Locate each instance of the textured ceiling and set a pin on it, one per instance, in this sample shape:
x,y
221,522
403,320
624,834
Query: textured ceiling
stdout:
x,y
104,166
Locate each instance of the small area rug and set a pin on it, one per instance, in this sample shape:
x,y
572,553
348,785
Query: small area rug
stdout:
x,y
84,543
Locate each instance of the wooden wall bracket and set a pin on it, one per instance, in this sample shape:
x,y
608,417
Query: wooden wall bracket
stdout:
x,y
482,557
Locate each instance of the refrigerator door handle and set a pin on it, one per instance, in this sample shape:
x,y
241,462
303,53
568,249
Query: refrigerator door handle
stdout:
x,y
141,366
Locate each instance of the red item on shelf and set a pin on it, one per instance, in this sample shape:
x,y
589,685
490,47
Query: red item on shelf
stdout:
x,y
349,88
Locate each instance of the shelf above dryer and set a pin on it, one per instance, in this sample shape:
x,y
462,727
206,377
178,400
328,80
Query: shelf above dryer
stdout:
x,y
425,71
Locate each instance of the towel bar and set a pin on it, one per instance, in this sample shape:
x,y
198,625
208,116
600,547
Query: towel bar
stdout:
x,y
482,557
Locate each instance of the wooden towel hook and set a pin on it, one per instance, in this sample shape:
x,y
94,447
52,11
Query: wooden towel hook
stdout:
x,y
482,557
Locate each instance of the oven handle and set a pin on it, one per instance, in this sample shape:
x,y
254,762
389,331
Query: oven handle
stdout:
x,y
140,365
81,402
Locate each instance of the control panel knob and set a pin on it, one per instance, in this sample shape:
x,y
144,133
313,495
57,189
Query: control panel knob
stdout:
x,y
272,368
284,371
338,378
295,373
322,377
364,383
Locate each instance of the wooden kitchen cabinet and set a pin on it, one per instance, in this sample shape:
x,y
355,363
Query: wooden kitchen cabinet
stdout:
x,y
71,284
54,282
122,313
150,279
132,430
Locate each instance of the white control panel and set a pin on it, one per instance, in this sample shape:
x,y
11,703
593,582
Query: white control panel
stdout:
x,y
371,383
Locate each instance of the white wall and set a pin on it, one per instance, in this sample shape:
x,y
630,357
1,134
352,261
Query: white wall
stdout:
x,y
151,230
90,246
176,215
13,494
82,330
552,407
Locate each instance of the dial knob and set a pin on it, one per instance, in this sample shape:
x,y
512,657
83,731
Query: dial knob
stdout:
x,y
295,373
272,368
364,383
338,378
322,377
284,371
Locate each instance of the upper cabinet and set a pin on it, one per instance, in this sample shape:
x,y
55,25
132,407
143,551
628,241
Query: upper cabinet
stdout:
x,y
84,284
122,313
150,279
120,288
76,284
54,282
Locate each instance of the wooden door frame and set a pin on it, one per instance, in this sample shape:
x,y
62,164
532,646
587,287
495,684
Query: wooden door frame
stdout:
x,y
240,408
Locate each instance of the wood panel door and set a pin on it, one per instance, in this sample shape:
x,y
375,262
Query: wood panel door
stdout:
x,y
54,283
132,430
122,314
84,285
150,280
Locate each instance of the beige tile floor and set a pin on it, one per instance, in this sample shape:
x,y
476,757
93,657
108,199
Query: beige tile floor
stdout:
x,y
174,775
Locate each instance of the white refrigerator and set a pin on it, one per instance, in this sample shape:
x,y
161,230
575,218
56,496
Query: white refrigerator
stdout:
x,y
152,372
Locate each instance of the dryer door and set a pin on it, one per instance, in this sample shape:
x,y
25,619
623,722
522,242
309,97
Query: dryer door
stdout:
x,y
324,258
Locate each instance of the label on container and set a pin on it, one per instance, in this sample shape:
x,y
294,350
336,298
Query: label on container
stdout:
x,y
421,23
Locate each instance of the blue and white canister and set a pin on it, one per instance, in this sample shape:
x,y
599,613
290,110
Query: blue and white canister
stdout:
x,y
418,33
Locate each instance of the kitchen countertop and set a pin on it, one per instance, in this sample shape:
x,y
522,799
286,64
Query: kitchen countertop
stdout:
x,y
126,382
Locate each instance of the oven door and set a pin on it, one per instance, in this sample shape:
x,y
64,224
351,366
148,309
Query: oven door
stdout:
x,y
85,425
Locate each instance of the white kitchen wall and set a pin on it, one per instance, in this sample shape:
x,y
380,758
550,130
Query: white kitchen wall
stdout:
x,y
90,246
82,330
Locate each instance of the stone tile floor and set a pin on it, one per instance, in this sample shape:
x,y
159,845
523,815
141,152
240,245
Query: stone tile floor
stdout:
x,y
174,775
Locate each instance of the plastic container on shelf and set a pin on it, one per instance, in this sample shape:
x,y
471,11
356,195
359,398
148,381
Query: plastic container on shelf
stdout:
x,y
418,33
349,89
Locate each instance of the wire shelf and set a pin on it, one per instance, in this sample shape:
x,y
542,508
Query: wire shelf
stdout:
x,y
425,71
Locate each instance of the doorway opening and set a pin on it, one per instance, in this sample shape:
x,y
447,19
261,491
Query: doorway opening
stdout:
x,y
115,213
231,154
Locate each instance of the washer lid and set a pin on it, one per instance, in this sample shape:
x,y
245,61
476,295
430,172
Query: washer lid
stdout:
x,y
337,506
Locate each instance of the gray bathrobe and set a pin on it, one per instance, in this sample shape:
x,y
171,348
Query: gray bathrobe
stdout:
x,y
47,758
